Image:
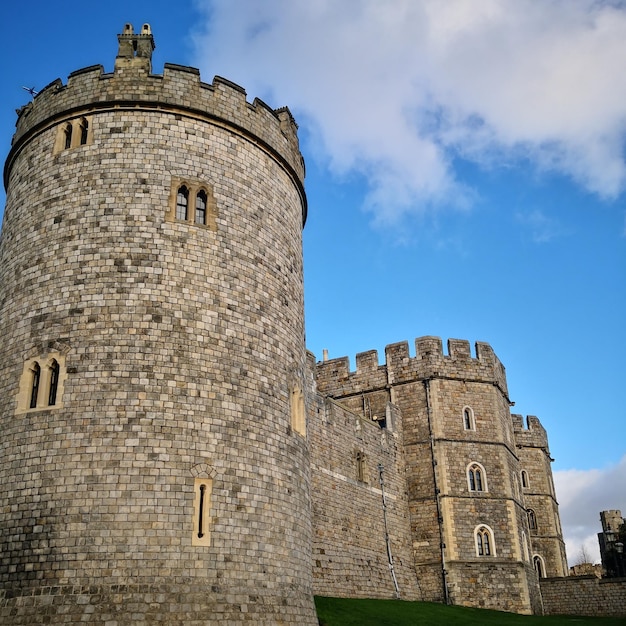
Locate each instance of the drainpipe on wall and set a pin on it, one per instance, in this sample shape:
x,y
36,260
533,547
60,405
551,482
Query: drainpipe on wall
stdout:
x,y
442,545
387,539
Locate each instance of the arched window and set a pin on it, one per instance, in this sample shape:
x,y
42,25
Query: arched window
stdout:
x,y
468,419
539,566
54,382
476,478
34,388
484,541
201,200
68,135
182,203
84,130
524,479
532,519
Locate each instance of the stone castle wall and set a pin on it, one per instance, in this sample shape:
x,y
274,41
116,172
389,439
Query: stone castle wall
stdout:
x,y
174,478
539,495
432,391
584,595
350,556
179,342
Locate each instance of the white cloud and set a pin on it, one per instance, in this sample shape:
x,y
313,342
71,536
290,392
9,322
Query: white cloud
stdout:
x,y
582,494
394,91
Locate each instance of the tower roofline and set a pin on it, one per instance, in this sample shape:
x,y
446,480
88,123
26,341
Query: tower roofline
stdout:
x,y
178,90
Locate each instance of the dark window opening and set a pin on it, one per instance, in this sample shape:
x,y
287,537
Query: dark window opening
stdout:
x,y
200,512
34,390
475,477
182,202
524,479
201,201
68,135
84,129
483,542
54,383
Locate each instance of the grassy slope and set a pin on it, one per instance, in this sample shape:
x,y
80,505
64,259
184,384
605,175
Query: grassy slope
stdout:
x,y
350,612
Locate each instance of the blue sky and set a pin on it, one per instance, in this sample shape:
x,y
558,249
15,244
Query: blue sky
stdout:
x,y
465,178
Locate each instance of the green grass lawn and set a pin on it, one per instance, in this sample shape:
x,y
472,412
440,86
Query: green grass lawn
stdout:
x,y
350,612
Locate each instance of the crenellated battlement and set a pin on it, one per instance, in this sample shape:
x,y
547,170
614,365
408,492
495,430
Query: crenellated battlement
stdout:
x,y
399,367
529,432
179,90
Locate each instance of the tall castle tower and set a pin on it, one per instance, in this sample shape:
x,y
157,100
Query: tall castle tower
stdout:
x,y
153,463
464,457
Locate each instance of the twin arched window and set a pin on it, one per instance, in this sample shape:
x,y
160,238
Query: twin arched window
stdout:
x,y
41,384
539,566
188,199
53,383
485,545
476,477
73,134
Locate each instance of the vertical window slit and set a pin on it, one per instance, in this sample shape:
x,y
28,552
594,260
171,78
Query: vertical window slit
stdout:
x,y
54,383
68,135
34,390
84,129
200,512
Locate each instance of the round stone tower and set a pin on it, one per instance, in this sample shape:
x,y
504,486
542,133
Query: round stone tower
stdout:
x,y
153,461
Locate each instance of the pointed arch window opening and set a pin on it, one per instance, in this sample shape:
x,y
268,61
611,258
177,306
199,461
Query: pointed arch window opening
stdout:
x,y
68,135
476,478
54,382
182,203
524,479
201,202
539,566
84,131
34,389
468,419
484,542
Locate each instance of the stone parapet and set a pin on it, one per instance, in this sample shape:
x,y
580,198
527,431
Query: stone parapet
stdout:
x,y
179,91
429,362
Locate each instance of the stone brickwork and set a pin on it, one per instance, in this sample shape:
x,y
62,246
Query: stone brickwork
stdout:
x,y
349,540
179,345
584,595
546,535
169,453
454,415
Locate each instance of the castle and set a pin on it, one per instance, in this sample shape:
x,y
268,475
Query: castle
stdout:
x,y
171,453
